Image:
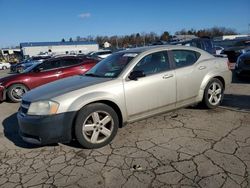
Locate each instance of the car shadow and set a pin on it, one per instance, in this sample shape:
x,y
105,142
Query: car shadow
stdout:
x,y
74,144
230,101
11,132
237,102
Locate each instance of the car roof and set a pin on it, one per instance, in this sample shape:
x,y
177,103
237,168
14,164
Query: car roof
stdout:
x,y
159,47
63,57
103,51
81,58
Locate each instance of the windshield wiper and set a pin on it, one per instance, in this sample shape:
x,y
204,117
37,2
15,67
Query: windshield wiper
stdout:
x,y
92,74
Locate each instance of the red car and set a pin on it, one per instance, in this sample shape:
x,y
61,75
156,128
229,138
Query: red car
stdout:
x,y
13,87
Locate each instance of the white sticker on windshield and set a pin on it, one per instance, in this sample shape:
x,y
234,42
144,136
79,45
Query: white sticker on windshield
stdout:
x,y
130,55
109,74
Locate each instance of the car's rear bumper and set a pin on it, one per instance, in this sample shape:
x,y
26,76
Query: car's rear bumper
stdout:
x,y
46,129
227,76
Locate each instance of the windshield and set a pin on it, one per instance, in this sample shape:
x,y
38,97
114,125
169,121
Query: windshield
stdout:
x,y
112,66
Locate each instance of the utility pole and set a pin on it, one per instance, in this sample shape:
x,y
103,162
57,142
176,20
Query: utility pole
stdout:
x,y
116,43
249,29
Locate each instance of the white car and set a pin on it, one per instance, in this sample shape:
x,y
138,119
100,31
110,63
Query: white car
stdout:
x,y
4,66
125,87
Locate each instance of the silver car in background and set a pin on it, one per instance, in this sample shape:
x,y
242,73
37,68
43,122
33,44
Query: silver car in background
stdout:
x,y
125,87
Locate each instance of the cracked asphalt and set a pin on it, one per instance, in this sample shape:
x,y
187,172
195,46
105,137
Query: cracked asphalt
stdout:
x,y
190,147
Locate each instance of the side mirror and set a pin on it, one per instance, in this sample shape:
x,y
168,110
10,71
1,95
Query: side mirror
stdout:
x,y
38,69
134,75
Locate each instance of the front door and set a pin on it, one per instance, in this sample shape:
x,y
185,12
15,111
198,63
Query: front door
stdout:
x,y
153,93
46,72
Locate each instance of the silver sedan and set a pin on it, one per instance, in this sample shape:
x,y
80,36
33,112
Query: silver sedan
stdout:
x,y
125,87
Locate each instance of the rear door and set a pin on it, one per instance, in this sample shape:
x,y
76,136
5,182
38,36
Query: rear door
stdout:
x,y
46,72
189,74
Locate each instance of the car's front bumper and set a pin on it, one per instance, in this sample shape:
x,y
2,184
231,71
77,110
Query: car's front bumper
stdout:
x,y
46,129
2,93
243,70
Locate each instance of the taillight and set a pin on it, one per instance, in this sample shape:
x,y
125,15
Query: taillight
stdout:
x,y
230,66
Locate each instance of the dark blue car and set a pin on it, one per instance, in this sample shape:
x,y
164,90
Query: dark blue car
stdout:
x,y
202,43
20,67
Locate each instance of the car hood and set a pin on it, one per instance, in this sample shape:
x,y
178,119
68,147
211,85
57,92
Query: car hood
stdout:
x,y
9,78
234,48
61,87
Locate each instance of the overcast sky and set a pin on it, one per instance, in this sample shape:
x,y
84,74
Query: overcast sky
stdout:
x,y
52,20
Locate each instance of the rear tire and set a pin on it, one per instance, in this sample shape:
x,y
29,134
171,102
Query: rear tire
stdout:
x,y
16,92
96,125
213,94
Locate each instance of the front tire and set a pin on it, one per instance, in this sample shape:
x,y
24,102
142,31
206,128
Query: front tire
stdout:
x,y
213,94
16,92
20,70
4,67
96,125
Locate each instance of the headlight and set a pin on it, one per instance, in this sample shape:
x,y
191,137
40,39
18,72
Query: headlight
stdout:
x,y
43,108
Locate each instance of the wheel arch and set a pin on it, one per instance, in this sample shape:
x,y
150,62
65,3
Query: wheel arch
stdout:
x,y
107,102
221,79
205,81
15,83
11,84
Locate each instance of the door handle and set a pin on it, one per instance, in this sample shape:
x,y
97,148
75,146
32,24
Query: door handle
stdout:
x,y
58,72
202,67
167,76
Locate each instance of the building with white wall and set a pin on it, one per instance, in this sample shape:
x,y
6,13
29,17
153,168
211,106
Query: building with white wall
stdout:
x,y
106,44
75,47
230,37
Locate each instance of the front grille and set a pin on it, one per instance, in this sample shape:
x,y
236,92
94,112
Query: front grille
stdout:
x,y
25,107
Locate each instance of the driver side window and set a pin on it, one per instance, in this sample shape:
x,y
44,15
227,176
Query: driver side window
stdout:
x,y
48,65
153,63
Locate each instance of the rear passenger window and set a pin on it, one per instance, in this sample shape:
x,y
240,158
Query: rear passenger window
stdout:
x,y
183,58
69,62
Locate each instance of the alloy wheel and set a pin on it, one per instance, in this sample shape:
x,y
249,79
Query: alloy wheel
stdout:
x,y
18,92
214,93
98,127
